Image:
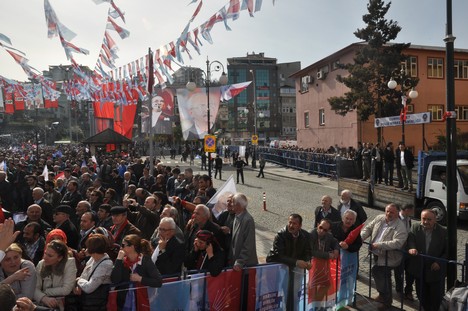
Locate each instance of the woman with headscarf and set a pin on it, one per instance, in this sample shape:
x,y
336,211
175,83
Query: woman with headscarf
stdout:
x,y
206,254
20,274
56,274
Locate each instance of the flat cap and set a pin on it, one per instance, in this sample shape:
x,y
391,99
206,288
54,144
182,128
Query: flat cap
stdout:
x,y
116,210
64,209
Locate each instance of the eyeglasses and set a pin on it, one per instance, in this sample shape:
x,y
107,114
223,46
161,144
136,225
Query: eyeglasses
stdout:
x,y
126,245
323,229
58,247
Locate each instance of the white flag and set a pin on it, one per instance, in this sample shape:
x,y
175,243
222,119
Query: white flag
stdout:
x,y
218,203
45,173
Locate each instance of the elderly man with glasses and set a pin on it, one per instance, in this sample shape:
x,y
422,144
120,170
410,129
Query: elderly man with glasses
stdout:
x,y
169,253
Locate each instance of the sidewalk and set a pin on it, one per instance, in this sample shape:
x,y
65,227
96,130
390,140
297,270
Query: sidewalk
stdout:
x,y
264,239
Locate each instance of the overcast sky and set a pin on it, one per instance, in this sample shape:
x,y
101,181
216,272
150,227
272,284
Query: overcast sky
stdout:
x,y
290,30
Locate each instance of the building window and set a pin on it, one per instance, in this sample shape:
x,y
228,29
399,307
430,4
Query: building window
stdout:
x,y
306,119
437,112
460,69
335,65
322,117
305,84
462,113
410,108
411,66
435,68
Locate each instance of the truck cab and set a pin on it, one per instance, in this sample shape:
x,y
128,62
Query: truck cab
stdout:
x,y
435,189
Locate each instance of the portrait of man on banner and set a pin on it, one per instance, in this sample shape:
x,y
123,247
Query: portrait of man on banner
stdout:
x,y
161,108
193,109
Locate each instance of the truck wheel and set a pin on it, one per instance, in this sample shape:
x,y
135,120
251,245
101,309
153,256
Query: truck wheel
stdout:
x,y
439,209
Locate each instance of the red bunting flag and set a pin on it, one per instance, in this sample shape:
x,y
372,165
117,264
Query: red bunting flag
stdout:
x,y
352,236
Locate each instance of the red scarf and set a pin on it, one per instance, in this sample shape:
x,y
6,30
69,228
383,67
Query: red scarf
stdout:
x,y
141,293
117,234
129,263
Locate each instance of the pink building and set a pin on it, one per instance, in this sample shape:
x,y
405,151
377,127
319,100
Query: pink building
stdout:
x,y
319,126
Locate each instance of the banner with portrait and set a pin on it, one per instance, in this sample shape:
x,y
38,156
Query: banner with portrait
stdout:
x,y
156,116
193,109
33,99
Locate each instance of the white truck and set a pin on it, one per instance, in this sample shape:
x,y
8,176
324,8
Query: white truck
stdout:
x,y
431,188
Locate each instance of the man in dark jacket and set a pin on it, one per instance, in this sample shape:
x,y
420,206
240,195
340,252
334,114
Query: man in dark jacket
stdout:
x,y
122,226
404,163
62,220
169,253
428,238
218,166
292,247
347,202
326,211
389,159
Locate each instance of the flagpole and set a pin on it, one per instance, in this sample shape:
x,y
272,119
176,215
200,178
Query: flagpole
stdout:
x,y
150,108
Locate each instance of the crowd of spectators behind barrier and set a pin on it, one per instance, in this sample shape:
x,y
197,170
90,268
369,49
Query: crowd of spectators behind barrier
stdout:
x,y
115,222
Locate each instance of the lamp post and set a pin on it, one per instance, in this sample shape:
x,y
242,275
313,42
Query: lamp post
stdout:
x,y
192,86
451,150
254,156
413,94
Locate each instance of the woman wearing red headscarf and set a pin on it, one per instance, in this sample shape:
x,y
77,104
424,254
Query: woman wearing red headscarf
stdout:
x,y
206,254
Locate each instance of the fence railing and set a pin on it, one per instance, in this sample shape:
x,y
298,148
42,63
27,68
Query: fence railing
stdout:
x,y
313,163
330,284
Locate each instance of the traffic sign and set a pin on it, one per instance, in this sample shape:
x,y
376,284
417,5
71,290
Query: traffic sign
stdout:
x,y
210,143
254,139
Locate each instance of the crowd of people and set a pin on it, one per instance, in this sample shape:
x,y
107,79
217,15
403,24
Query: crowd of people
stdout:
x,y
86,223
83,223
385,160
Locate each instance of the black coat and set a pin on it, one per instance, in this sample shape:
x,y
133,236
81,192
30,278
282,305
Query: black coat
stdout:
x,y
333,215
357,207
287,249
73,236
409,158
170,261
213,265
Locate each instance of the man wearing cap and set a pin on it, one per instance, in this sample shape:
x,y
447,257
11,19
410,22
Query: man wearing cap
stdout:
x,y
62,220
206,254
122,226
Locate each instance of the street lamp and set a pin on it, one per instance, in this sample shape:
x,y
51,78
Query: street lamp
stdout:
x,y
191,86
451,149
413,94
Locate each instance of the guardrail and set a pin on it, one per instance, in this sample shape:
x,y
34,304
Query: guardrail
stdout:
x,y
313,163
328,285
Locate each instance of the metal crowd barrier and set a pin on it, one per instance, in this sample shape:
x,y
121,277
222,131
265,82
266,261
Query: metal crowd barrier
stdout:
x,y
313,163
461,268
329,285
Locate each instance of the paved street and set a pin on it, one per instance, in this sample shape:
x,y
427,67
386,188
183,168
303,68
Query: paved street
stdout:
x,y
289,191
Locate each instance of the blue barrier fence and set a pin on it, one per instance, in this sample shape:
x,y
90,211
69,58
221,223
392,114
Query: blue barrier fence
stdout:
x,y
313,163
